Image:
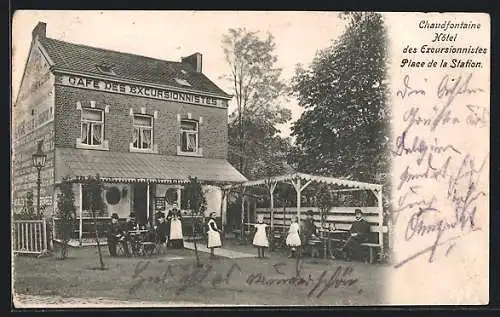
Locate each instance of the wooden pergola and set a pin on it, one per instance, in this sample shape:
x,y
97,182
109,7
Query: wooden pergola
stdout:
x,y
300,181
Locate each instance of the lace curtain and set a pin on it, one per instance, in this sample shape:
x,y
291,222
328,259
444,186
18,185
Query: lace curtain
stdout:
x,y
135,138
146,139
85,133
96,134
191,142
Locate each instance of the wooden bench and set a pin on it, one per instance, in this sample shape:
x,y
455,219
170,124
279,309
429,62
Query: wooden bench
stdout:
x,y
342,217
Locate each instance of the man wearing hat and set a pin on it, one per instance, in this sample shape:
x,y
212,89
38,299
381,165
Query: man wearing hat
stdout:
x,y
358,233
309,232
161,233
132,222
115,236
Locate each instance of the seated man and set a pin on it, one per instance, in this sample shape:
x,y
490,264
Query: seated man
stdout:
x,y
130,226
115,236
358,233
309,234
131,222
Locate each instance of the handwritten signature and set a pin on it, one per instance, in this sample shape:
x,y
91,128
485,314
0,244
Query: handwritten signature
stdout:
x,y
421,147
442,115
466,178
408,91
411,199
435,161
182,277
432,171
451,87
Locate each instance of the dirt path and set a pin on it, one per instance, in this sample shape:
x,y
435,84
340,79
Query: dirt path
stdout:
x,y
32,301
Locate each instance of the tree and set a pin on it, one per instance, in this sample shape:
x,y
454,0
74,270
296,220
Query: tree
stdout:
x,y
197,204
258,91
345,126
66,214
270,159
93,190
324,199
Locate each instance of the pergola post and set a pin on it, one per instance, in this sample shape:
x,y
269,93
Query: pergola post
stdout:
x,y
271,186
223,201
249,206
381,218
298,189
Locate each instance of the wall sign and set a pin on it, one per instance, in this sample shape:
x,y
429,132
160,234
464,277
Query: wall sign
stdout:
x,y
138,90
160,203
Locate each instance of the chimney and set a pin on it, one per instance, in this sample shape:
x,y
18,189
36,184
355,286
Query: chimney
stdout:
x,y
194,60
40,30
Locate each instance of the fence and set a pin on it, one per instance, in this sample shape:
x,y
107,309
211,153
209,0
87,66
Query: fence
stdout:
x,y
29,236
341,216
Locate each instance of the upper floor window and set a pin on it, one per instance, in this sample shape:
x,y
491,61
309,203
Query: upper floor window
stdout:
x,y
92,128
143,132
189,136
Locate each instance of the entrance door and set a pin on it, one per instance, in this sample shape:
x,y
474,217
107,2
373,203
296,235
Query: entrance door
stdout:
x,y
140,203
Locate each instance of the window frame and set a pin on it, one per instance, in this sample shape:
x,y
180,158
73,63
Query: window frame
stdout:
x,y
140,129
196,132
91,123
79,140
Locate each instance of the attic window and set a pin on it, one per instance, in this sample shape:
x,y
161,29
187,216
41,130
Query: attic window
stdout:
x,y
106,69
182,82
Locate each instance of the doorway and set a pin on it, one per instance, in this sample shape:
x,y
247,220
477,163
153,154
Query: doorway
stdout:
x,y
140,203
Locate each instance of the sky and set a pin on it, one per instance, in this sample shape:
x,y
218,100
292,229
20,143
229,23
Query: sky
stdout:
x,y
169,35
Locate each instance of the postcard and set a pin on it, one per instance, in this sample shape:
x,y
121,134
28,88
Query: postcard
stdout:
x,y
240,158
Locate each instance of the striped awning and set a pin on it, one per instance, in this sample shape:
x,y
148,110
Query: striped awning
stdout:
x,y
122,167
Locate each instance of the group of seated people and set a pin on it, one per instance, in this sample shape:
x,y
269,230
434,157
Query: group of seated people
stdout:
x,y
165,232
308,232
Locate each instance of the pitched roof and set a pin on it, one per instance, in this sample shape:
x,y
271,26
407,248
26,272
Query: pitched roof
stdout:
x,y
84,59
142,167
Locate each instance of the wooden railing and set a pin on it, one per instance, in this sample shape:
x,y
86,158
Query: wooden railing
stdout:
x,y
29,236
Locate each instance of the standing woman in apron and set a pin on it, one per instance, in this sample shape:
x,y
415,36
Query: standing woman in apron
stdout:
x,y
213,233
176,238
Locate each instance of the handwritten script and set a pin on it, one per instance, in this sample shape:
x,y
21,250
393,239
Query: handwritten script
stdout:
x,y
183,277
439,185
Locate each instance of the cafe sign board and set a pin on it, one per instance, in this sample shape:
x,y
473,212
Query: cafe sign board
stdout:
x,y
93,83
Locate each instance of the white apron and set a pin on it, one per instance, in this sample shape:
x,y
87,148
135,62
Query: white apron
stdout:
x,y
175,229
213,235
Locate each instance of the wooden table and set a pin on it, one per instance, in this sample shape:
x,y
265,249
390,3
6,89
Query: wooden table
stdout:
x,y
138,232
138,243
326,236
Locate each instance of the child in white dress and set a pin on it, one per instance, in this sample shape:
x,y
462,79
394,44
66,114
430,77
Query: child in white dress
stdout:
x,y
293,237
213,234
260,239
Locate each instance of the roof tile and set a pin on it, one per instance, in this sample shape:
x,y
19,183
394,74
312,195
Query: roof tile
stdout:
x,y
84,59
